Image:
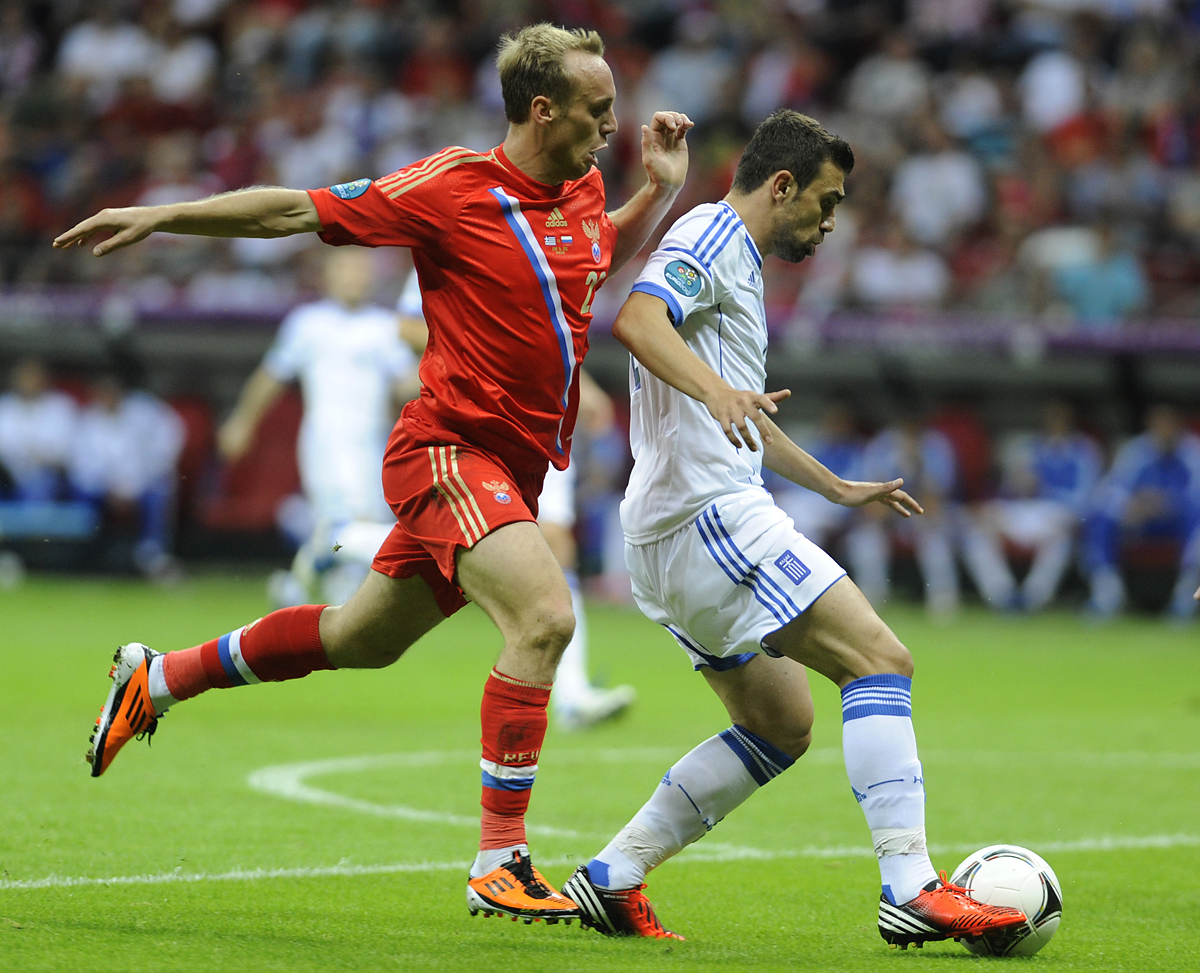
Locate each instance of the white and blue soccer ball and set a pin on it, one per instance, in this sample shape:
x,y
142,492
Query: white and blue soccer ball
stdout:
x,y
1016,877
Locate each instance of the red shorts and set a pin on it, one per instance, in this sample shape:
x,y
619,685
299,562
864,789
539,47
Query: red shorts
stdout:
x,y
446,496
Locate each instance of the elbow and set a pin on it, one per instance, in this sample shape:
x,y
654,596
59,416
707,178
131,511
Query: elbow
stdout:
x,y
621,330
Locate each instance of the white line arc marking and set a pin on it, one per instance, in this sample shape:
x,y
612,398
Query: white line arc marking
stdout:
x,y
697,853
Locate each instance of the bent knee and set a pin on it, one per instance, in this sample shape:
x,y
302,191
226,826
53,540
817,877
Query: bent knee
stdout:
x,y
551,629
889,654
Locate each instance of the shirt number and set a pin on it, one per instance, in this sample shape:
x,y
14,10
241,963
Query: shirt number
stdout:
x,y
594,280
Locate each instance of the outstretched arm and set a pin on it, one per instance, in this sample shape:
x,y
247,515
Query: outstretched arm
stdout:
x,y
237,432
258,212
789,460
644,328
665,157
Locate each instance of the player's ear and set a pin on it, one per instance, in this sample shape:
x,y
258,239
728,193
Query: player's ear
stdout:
x,y
541,110
783,186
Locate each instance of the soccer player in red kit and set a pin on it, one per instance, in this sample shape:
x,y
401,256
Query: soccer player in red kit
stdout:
x,y
510,246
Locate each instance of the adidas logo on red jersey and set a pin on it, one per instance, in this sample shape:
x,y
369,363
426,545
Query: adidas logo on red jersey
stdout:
x,y
555,218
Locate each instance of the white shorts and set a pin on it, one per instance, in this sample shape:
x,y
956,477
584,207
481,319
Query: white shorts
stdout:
x,y
737,573
557,502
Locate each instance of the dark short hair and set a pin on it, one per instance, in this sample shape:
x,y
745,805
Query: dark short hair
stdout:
x,y
788,140
531,64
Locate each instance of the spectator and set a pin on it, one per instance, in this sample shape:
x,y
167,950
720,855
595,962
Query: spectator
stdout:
x,y
123,460
98,54
1152,491
37,426
899,275
892,83
1105,290
925,459
1049,479
694,74
20,48
185,65
938,190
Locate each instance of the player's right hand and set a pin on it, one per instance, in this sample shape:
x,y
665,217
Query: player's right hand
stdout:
x,y
127,226
732,407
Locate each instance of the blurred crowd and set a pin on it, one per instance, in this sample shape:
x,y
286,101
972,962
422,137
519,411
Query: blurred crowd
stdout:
x,y
1015,157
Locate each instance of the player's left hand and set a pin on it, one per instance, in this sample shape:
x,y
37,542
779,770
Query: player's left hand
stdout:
x,y
664,148
855,493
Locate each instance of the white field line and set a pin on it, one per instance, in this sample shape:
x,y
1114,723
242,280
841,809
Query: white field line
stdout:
x,y
288,781
712,853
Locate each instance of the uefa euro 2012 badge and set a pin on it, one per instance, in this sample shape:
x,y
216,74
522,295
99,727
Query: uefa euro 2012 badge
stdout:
x,y
682,278
350,190
499,490
592,232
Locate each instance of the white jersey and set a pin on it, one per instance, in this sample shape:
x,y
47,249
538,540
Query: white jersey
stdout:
x,y
347,361
709,273
35,433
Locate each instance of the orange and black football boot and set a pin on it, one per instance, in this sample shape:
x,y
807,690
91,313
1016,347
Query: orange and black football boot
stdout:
x,y
619,912
942,911
517,889
128,712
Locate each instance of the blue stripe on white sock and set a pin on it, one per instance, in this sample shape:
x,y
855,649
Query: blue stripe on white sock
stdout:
x,y
763,761
886,694
227,663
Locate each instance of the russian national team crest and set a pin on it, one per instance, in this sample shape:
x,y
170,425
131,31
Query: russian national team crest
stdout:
x,y
350,190
499,490
683,278
592,232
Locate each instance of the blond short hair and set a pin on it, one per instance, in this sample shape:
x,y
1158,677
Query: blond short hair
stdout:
x,y
531,64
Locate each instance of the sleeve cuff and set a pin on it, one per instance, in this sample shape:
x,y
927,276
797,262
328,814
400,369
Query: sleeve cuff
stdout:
x,y
664,295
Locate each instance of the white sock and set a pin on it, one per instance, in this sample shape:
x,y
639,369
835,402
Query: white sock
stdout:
x,y
571,682
489,859
694,795
160,696
989,569
1049,565
885,774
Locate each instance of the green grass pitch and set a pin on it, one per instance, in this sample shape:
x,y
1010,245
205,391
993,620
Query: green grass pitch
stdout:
x,y
1083,744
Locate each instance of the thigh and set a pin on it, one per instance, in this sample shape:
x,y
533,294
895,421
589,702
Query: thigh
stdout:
x,y
514,577
841,637
380,620
770,698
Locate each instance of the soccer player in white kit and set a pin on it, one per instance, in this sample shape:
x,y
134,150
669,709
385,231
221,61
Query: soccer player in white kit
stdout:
x,y
353,370
575,702
713,560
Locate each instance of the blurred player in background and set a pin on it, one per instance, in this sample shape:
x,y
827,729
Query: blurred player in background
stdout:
x,y
1152,491
354,371
508,314
1049,479
924,459
714,561
575,702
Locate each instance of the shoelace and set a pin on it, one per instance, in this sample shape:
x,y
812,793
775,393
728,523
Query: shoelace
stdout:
x,y
957,891
521,868
148,733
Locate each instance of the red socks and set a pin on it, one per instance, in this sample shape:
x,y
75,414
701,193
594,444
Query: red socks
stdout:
x,y
513,714
283,645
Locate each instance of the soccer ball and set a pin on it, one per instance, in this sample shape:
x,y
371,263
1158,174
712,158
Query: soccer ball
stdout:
x,y
1015,877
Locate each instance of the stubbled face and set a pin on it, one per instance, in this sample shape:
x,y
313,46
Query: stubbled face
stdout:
x,y
803,220
581,128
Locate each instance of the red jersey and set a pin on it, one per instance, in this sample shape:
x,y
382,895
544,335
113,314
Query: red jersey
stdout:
x,y
508,269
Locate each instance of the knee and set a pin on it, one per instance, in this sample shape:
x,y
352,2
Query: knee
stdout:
x,y
891,655
791,732
551,629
